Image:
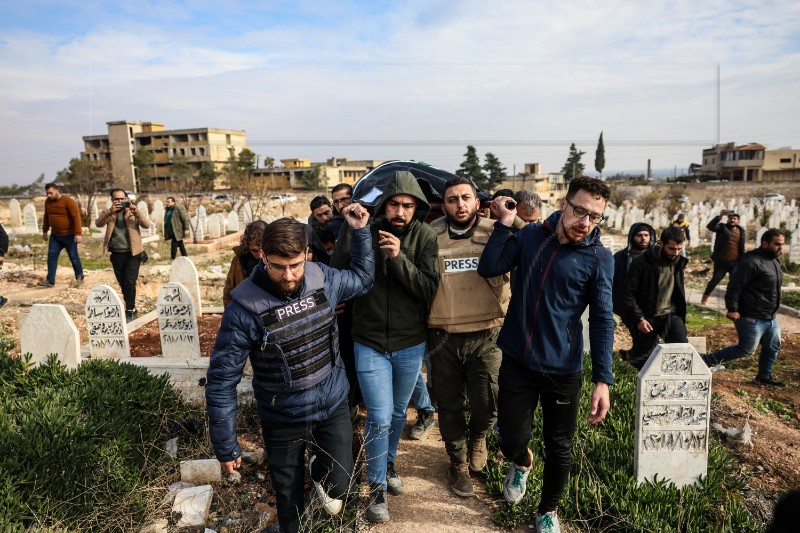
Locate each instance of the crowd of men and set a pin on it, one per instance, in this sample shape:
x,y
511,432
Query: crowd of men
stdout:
x,y
341,312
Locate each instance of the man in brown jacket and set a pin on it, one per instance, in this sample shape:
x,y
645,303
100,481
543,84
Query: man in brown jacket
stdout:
x,y
124,240
61,214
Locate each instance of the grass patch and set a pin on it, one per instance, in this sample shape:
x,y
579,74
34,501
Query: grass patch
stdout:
x,y
791,298
82,448
603,495
702,318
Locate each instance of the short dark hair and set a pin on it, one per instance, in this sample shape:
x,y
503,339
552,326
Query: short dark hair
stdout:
x,y
111,194
253,233
673,233
323,231
502,192
285,237
52,186
459,181
342,186
771,234
733,215
593,186
171,198
319,201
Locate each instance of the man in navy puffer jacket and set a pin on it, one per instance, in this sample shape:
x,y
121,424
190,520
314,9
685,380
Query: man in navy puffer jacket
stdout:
x,y
282,318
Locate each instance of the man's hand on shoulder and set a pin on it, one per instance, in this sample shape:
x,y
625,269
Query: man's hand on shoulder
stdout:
x,y
601,403
356,215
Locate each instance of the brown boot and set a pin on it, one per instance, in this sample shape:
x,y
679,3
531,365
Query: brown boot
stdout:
x,y
460,482
704,299
477,453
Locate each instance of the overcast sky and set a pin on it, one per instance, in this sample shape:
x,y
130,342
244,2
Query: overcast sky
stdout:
x,y
413,80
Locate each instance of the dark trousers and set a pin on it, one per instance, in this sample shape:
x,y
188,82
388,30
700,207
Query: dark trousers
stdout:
x,y
54,247
465,369
521,389
671,328
126,270
347,352
331,440
720,269
174,246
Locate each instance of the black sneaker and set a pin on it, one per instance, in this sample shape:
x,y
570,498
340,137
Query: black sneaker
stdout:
x,y
768,381
394,484
45,283
79,280
3,301
130,315
378,510
423,426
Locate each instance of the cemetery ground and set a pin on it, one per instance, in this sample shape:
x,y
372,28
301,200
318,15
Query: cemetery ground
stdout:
x,y
767,468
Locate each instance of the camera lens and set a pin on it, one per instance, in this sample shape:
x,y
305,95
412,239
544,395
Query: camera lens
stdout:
x,y
511,204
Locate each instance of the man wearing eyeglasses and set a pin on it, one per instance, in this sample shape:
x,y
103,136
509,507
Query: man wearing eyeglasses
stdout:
x,y
124,240
561,267
282,318
341,196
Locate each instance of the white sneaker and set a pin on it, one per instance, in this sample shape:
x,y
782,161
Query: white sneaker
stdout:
x,y
332,506
547,523
716,368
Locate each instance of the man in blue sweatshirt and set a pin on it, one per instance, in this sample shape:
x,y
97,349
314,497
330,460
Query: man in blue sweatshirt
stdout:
x,y
561,267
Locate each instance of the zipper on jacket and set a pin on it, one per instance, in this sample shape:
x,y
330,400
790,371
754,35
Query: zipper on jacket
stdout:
x,y
539,295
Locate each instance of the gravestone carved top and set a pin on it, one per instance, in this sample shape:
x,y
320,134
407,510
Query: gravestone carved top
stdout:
x,y
105,322
673,410
177,322
48,329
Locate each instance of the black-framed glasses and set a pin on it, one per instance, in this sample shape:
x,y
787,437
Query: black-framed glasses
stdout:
x,y
580,213
293,268
346,200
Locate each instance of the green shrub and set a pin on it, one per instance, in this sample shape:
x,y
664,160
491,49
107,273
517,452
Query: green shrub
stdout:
x,y
603,495
79,446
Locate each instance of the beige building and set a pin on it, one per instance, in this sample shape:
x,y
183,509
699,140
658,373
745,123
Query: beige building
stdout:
x,y
197,145
750,162
335,170
550,187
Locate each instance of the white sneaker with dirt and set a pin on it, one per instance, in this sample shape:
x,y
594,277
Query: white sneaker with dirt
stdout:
x,y
332,506
516,481
547,523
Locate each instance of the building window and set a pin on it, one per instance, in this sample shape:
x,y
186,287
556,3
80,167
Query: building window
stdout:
x,y
227,138
202,151
786,161
194,152
183,151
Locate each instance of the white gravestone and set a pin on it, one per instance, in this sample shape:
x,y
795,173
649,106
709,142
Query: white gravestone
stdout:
x,y
48,329
233,222
202,219
184,272
214,226
673,409
145,213
105,322
761,231
177,322
15,213
94,215
31,222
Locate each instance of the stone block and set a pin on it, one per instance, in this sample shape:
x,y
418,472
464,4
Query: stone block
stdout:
x,y
48,329
192,505
201,471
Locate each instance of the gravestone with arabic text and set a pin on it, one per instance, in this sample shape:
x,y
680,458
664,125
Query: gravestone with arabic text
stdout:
x,y
105,322
184,272
177,322
673,408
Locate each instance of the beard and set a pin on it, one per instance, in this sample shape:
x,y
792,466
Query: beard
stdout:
x,y
668,259
770,254
466,224
397,231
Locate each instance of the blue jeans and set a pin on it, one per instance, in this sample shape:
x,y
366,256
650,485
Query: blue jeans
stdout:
x,y
55,245
387,381
420,395
752,332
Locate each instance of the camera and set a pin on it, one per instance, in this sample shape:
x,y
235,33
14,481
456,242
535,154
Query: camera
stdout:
x,y
511,204
125,205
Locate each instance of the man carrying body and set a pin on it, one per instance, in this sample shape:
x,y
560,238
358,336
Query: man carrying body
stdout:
x,y
752,300
62,215
124,240
341,196
282,317
728,248
390,326
654,301
562,267
176,227
465,319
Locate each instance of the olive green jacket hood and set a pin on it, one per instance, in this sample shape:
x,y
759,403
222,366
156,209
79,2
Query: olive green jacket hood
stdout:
x,y
403,182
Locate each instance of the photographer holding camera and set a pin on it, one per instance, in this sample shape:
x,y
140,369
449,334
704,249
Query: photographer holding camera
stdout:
x,y
124,240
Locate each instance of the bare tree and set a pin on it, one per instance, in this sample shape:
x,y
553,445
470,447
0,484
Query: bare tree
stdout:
x,y
85,180
648,202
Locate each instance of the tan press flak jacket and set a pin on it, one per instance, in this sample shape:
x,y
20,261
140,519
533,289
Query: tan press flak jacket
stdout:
x,y
464,301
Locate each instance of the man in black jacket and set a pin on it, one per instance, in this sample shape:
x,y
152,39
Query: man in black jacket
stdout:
x,y
640,237
728,248
654,302
752,300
